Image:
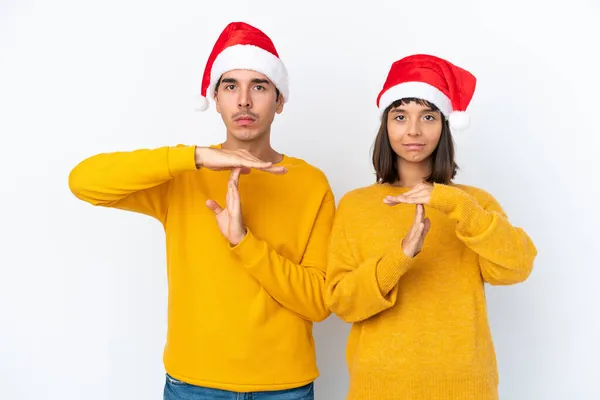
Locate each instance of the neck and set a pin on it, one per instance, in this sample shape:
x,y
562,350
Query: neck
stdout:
x,y
411,174
259,147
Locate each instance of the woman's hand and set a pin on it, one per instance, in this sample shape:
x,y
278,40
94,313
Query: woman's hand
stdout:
x,y
413,242
420,194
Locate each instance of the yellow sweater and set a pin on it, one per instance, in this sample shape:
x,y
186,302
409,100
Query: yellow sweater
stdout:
x,y
239,318
420,329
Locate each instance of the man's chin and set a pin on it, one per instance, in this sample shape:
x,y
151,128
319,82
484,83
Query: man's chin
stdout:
x,y
246,134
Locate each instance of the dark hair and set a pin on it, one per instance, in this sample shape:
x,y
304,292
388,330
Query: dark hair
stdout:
x,y
219,84
444,167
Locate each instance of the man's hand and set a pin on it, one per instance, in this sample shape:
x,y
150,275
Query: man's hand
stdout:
x,y
229,219
413,242
220,159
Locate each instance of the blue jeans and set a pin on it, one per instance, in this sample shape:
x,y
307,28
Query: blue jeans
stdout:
x,y
178,390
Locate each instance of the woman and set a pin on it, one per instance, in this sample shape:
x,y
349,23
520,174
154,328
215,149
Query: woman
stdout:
x,y
409,255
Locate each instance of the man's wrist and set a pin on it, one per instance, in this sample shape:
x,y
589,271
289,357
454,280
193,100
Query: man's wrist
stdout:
x,y
237,240
198,156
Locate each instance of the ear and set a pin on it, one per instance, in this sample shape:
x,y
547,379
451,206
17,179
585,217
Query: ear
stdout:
x,y
217,105
279,104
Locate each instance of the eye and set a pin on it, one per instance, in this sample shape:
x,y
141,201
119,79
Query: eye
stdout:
x,y
399,118
429,117
260,87
230,87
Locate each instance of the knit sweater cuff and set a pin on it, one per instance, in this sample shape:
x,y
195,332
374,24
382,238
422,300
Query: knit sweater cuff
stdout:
x,y
181,159
460,206
250,250
391,268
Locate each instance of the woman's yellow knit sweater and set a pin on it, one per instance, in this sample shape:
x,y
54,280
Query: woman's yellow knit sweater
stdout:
x,y
420,329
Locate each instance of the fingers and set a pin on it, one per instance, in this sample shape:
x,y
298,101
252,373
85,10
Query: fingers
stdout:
x,y
233,195
413,242
420,210
276,169
427,225
419,194
257,163
415,198
238,160
214,206
229,159
393,200
234,176
233,191
229,197
418,219
248,160
419,231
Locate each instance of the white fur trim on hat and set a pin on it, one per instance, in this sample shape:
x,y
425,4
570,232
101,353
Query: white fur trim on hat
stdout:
x,y
253,58
420,90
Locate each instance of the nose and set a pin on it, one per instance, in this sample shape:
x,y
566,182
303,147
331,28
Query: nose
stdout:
x,y
414,128
244,100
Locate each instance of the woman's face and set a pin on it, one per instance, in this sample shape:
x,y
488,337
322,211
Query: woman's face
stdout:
x,y
414,131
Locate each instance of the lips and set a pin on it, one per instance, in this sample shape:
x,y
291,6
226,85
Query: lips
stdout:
x,y
244,120
413,146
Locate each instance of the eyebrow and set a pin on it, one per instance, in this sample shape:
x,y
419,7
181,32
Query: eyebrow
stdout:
x,y
255,80
399,110
263,81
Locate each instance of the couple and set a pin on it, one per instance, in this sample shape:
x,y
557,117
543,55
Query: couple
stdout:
x,y
257,250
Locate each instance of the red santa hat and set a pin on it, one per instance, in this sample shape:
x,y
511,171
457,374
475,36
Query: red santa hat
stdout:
x,y
242,46
433,79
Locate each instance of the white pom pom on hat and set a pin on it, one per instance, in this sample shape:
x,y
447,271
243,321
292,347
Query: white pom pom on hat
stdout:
x,y
434,79
201,103
459,121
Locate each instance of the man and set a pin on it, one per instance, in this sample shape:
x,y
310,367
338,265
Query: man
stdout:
x,y
246,229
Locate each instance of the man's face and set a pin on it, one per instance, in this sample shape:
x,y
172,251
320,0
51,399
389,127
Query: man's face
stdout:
x,y
247,101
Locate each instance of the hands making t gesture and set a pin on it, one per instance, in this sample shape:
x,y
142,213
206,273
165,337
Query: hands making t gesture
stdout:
x,y
419,195
229,218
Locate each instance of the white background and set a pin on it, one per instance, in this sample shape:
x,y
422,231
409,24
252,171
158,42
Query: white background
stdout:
x,y
83,289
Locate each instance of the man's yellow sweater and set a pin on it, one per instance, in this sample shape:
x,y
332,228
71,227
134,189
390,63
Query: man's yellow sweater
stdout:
x,y
420,328
239,318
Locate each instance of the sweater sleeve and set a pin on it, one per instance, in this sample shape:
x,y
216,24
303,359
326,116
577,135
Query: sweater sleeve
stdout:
x,y
131,180
359,289
506,252
298,287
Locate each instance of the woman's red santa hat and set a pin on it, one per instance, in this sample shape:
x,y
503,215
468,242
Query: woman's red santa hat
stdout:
x,y
433,79
242,46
